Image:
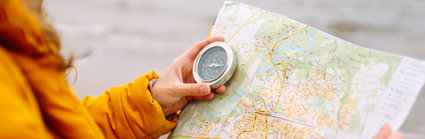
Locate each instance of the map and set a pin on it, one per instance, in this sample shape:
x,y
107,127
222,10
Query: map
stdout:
x,y
295,81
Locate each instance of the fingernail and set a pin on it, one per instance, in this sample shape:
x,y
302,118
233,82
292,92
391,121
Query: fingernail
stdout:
x,y
205,90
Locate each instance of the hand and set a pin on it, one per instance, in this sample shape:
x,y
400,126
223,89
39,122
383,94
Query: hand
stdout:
x,y
177,86
386,133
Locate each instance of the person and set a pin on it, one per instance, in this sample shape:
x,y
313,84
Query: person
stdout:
x,y
37,102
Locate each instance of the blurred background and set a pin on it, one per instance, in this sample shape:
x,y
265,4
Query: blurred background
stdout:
x,y
116,41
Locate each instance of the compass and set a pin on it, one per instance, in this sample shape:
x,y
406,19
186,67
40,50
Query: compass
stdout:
x,y
215,64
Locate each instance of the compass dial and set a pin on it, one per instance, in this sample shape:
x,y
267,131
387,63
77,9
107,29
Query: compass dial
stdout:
x,y
212,63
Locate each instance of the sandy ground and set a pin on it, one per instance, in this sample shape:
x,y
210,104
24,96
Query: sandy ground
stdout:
x,y
126,38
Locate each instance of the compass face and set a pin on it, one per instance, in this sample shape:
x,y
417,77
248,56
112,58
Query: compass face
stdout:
x,y
212,63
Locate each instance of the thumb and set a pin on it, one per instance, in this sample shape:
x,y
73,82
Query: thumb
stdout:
x,y
384,133
191,89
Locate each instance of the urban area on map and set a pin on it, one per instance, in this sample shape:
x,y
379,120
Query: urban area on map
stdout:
x,y
294,81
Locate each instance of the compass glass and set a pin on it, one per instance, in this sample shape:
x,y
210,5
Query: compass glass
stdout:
x,y
212,63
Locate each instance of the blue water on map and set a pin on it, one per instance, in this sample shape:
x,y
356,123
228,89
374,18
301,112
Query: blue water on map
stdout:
x,y
228,101
294,48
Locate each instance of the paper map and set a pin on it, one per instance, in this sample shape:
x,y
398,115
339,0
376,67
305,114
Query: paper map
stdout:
x,y
294,81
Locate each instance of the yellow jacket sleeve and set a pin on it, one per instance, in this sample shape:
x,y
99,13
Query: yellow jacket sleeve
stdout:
x,y
37,102
129,111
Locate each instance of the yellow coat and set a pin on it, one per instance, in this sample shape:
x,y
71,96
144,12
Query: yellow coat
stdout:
x,y
36,101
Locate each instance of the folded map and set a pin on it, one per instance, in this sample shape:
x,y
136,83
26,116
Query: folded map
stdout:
x,y
295,81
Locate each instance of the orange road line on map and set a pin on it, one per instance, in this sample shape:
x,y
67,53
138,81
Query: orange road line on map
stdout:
x,y
267,128
281,86
209,36
243,25
253,125
283,65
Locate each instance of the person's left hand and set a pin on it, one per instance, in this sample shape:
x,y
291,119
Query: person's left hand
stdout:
x,y
176,87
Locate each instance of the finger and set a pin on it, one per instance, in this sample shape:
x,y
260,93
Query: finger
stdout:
x,y
384,133
206,97
191,89
220,89
396,136
195,49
